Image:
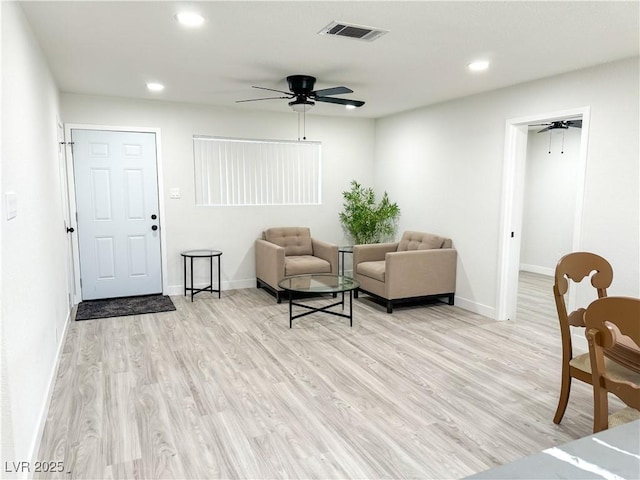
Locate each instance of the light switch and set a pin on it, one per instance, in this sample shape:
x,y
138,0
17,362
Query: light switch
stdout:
x,y
174,192
11,204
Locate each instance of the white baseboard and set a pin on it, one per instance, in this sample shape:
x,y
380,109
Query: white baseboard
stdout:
x,y
228,285
525,267
35,448
475,307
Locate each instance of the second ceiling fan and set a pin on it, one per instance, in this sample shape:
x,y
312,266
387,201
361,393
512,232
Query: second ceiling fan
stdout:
x,y
303,96
561,124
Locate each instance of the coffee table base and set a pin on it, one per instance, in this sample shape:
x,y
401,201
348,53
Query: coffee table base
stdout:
x,y
324,309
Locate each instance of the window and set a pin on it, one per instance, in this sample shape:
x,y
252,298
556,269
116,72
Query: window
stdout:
x,y
256,172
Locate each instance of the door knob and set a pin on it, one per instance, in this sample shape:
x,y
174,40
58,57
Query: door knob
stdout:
x,y
154,216
70,230
154,227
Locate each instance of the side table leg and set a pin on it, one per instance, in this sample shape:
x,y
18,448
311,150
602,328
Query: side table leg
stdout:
x,y
191,278
211,274
219,285
184,266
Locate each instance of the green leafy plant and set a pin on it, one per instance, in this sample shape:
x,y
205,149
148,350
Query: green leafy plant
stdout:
x,y
365,220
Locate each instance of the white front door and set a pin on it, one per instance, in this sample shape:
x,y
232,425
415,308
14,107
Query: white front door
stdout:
x,y
116,183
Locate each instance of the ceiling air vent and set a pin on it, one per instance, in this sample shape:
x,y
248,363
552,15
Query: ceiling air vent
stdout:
x,y
359,32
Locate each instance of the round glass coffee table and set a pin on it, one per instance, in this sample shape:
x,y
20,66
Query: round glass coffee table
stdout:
x,y
316,284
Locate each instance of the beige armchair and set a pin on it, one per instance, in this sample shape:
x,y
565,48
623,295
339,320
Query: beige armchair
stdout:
x,y
286,251
420,266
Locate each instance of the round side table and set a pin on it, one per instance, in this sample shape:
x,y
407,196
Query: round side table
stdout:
x,y
191,254
342,250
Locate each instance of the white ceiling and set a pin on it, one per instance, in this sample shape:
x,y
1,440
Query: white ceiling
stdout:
x,y
114,48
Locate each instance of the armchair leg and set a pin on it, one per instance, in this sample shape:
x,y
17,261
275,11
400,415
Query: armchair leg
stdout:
x,y
451,295
355,293
389,306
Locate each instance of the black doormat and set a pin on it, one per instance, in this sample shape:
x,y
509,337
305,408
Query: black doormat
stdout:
x,y
120,307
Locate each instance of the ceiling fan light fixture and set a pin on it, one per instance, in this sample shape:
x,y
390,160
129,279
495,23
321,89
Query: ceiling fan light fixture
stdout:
x,y
301,106
190,19
350,107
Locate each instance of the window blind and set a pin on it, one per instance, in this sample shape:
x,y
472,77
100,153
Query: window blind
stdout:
x,y
256,172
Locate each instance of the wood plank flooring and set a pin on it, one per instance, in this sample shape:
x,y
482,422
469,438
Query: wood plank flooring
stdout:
x,y
222,388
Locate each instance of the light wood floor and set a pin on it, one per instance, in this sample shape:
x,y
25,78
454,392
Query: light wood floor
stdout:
x,y
224,389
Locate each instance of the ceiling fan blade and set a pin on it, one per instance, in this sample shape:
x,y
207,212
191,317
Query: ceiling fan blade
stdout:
x,y
265,98
540,125
272,90
330,91
340,101
546,129
575,123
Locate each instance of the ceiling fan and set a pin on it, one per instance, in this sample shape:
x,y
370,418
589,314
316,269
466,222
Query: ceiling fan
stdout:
x,y
561,124
303,96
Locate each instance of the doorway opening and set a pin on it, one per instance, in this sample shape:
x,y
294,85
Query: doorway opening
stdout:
x,y
515,178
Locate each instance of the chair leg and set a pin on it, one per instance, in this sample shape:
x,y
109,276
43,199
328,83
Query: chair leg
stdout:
x,y
389,306
565,390
355,293
600,409
451,295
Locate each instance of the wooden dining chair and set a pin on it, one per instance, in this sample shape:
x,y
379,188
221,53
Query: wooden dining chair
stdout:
x,y
608,321
575,267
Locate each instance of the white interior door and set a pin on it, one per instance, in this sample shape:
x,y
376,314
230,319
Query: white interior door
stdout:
x,y
116,184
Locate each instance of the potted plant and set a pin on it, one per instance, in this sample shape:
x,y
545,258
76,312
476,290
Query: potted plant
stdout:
x,y
365,220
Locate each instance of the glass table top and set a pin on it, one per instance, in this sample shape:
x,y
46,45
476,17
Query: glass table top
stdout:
x,y
201,253
319,283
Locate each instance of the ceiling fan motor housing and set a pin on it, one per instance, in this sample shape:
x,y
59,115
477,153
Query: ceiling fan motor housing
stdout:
x,y
301,84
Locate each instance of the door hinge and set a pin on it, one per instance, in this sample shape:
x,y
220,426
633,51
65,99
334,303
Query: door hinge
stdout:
x,y
66,143
80,283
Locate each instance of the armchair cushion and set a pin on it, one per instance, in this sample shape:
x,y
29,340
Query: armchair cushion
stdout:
x,y
305,264
294,240
419,241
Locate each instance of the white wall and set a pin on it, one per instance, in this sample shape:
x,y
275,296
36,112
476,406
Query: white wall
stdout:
x,y
443,165
347,153
34,295
549,198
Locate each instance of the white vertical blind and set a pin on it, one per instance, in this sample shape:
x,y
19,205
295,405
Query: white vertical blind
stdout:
x,y
256,172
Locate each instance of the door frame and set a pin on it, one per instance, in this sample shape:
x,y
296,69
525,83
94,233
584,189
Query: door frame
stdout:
x,y
66,213
513,177
72,196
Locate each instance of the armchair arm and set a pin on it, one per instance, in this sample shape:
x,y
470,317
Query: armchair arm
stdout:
x,y
420,272
371,252
326,251
269,262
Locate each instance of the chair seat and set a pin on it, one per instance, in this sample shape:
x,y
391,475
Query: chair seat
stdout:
x,y
623,416
616,371
373,270
304,265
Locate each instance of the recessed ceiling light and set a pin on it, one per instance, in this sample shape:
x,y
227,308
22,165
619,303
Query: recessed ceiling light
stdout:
x,y
190,19
478,66
155,87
